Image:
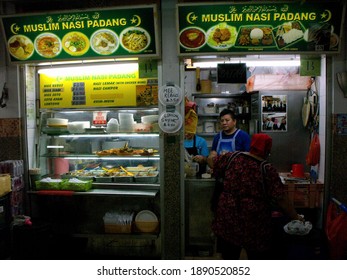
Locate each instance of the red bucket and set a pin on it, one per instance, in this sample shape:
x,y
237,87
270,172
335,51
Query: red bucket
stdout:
x,y
298,170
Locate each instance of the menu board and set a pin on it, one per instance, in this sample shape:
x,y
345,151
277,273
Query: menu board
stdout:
x,y
260,28
93,86
73,35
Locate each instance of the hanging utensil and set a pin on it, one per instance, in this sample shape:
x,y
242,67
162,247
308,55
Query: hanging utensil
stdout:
x,y
314,104
305,111
198,84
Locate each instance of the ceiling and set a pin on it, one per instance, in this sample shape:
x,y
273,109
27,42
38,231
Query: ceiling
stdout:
x,y
32,6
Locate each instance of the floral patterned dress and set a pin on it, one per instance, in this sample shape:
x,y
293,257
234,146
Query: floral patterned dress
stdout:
x,y
243,212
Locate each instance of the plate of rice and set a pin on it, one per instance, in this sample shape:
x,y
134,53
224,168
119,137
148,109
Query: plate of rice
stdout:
x,y
289,33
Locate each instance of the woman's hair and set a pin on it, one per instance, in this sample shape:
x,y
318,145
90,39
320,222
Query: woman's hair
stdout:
x,y
227,112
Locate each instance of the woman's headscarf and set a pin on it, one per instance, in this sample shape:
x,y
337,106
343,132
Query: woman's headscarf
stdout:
x,y
261,144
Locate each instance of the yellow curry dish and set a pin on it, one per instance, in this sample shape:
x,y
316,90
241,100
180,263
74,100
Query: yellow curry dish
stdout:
x,y
134,39
48,45
75,43
20,47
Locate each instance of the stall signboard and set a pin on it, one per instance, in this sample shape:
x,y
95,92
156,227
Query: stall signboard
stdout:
x,y
93,86
276,27
80,35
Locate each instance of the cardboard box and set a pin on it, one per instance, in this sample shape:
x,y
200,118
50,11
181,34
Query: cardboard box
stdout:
x,y
5,184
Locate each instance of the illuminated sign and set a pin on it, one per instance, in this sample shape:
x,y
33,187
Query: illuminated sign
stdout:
x,y
125,31
260,28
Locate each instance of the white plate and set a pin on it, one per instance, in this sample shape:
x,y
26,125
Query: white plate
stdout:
x,y
48,45
20,47
104,42
146,216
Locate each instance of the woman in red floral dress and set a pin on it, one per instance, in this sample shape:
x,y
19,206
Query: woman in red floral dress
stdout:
x,y
243,211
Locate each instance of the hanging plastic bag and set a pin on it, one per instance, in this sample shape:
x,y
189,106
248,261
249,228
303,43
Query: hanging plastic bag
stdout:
x,y
191,122
313,155
189,105
336,231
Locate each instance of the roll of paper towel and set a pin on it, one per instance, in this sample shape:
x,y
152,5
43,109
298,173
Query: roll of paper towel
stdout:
x,y
61,166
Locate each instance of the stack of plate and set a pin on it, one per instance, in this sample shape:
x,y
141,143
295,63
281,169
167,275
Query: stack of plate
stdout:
x,y
146,221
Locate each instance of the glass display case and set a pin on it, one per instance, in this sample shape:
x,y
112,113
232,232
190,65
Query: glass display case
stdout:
x,y
116,149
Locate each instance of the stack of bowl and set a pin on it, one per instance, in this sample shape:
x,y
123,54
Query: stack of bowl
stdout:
x,y
151,120
126,122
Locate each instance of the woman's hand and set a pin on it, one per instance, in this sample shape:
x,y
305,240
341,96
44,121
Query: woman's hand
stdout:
x,y
210,158
300,218
199,159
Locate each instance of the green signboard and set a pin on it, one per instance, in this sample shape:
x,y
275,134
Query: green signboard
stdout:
x,y
276,27
119,32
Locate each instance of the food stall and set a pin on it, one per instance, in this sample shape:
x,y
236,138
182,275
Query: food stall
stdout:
x,y
252,55
196,25
94,156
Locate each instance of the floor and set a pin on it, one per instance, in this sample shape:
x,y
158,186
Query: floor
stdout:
x,y
215,256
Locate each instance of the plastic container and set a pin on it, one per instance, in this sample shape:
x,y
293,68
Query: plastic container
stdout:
x,y
206,86
209,109
298,170
122,177
209,127
118,222
77,127
149,119
72,185
117,228
142,127
48,185
147,177
103,179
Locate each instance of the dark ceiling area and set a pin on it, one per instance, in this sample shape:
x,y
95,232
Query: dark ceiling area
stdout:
x,y
39,6
33,6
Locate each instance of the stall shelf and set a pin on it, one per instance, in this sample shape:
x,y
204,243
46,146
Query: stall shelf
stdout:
x,y
209,105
